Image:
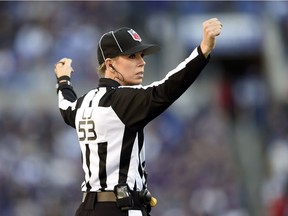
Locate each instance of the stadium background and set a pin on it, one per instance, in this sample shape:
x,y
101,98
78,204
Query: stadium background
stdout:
x,y
220,150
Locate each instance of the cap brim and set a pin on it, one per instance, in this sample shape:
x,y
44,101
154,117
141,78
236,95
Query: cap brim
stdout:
x,y
147,49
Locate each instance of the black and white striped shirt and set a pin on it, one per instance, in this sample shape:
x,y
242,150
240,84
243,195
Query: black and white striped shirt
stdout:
x,y
110,122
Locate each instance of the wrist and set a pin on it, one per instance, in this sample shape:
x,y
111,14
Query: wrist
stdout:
x,y
63,78
64,83
205,50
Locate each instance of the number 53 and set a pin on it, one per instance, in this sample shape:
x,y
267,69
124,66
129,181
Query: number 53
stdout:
x,y
86,130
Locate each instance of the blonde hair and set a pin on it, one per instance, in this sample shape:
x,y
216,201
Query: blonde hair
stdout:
x,y
101,70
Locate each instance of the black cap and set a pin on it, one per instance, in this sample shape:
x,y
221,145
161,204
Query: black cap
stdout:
x,y
123,41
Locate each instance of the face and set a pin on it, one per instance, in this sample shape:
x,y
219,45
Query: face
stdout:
x,y
129,69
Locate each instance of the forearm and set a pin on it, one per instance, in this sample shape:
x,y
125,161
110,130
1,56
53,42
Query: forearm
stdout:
x,y
67,91
178,80
67,100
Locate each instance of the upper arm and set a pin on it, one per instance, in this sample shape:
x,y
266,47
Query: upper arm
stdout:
x,y
68,104
137,107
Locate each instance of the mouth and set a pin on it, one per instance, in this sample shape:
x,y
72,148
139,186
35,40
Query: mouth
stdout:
x,y
140,74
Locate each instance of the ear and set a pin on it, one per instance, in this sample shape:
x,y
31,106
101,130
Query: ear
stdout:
x,y
108,63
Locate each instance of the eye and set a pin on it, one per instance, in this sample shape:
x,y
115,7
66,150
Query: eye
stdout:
x,y
133,56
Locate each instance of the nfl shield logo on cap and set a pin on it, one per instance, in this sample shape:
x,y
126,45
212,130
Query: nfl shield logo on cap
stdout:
x,y
134,35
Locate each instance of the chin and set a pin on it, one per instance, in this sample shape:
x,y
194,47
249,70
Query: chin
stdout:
x,y
137,82
140,82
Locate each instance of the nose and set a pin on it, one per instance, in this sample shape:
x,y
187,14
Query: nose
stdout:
x,y
141,61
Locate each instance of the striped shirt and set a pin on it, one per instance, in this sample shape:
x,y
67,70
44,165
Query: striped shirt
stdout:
x,y
110,122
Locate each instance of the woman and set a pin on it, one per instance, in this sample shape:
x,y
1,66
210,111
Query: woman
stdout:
x,y
110,119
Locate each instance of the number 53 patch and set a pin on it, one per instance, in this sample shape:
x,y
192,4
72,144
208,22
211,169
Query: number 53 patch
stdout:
x,y
86,128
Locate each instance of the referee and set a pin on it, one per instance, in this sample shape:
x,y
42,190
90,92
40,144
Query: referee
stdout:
x,y
110,119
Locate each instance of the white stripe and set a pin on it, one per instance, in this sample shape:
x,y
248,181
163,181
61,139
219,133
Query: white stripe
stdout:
x,y
182,65
101,45
117,42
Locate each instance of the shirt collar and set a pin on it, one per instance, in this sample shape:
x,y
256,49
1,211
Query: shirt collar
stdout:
x,y
106,82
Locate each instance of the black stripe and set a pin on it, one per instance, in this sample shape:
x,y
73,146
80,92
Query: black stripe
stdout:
x,y
84,179
88,165
80,101
141,167
125,156
102,153
145,175
135,186
140,145
106,99
90,103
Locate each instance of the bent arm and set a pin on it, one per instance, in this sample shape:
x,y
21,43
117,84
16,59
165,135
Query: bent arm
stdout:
x,y
67,98
144,103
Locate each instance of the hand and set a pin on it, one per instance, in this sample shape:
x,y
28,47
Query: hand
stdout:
x,y
211,29
63,67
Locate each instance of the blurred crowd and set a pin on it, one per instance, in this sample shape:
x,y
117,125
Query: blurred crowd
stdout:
x,y
194,161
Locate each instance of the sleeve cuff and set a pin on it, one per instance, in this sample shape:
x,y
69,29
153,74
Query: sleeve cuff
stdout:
x,y
63,85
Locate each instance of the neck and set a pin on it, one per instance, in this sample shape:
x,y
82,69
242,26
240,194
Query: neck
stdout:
x,y
115,76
